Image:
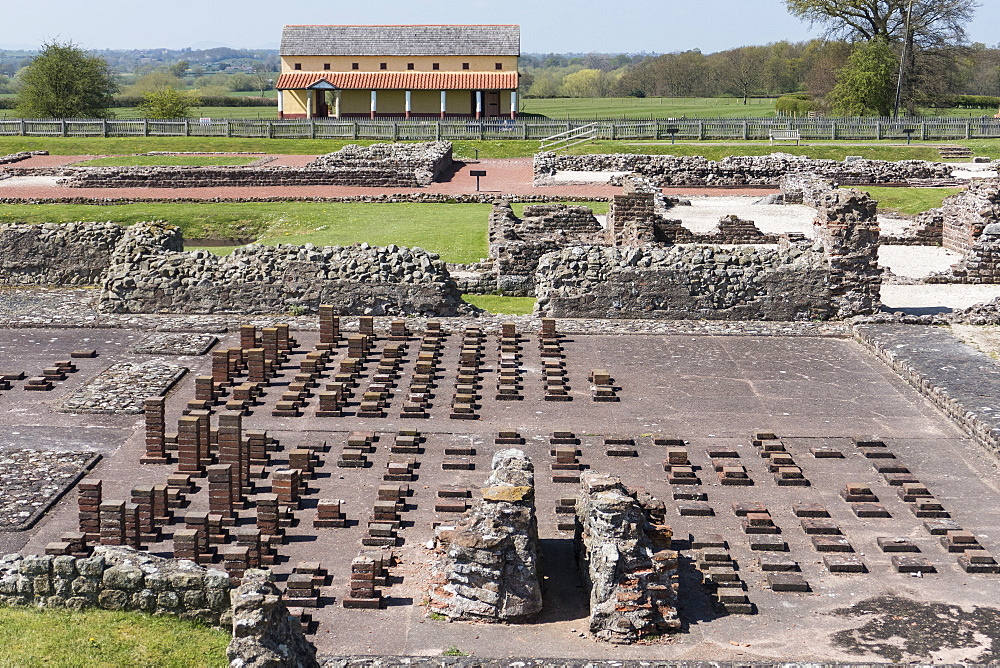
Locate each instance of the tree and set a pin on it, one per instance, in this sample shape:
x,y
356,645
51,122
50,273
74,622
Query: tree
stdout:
x,y
585,83
166,103
867,85
179,68
744,69
154,82
64,81
933,23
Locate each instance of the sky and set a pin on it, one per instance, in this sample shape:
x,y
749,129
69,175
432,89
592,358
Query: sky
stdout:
x,y
547,26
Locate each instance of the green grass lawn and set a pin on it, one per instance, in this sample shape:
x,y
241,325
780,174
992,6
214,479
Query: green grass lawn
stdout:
x,y
910,200
264,113
719,150
70,639
649,107
169,161
502,305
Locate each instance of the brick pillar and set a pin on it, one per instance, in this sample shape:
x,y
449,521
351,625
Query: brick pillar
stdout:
x,y
89,503
153,410
220,489
257,447
204,436
366,325
221,373
285,483
329,326
204,387
233,450
269,342
142,497
256,365
267,514
189,445
248,337
113,523
161,507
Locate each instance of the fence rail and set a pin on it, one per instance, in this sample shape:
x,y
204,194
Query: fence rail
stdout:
x,y
530,129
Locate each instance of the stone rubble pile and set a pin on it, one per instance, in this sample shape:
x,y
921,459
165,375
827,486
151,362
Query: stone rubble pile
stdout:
x,y
117,578
626,562
425,160
669,170
487,567
19,156
264,636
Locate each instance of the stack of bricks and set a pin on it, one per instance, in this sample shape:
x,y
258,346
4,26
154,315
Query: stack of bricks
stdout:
x,y
257,443
359,444
38,384
143,497
273,354
236,453
257,366
178,486
780,463
220,491
358,346
424,375
678,467
376,398
565,450
620,446
329,514
602,386
248,337
236,560
406,442
304,460
189,544
550,347
719,570
509,378
70,544
863,501
286,343
301,590
243,397
452,499
270,515
400,468
222,368
458,457
192,449
204,391
153,410
209,533
332,401
329,327
287,485
89,504
249,538
112,523
398,331
366,326
366,571
467,383
508,437
566,514
384,526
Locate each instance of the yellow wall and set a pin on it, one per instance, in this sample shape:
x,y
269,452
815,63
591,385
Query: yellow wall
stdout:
x,y
399,63
355,102
392,102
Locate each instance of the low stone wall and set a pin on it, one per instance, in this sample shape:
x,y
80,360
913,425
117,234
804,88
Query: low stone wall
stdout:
x,y
376,166
981,263
117,578
669,170
56,254
967,213
264,636
631,577
516,244
359,280
19,156
836,276
487,565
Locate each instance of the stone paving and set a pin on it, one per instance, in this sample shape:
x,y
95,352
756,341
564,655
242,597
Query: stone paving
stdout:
x,y
680,395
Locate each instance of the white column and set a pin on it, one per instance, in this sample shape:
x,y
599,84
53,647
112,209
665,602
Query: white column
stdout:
x,y
309,104
336,104
444,102
479,103
409,106
281,103
513,104
374,102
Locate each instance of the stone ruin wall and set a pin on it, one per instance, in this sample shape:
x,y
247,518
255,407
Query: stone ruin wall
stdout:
x,y
57,254
359,280
669,170
487,567
377,166
516,244
626,562
263,633
966,214
117,578
835,276
143,269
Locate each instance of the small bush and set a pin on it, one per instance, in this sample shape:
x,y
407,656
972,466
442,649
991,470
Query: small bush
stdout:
x,y
798,104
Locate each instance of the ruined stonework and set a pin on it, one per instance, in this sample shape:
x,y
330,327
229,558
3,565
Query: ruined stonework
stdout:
x,y
626,563
966,214
71,254
376,166
847,227
516,244
804,188
487,566
981,264
633,220
117,578
670,170
359,280
688,281
263,634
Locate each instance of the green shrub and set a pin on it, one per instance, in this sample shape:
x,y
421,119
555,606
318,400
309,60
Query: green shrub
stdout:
x,y
798,104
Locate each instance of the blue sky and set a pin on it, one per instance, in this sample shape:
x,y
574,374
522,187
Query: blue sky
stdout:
x,y
559,26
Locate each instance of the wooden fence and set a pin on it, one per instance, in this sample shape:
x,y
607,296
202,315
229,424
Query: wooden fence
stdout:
x,y
946,128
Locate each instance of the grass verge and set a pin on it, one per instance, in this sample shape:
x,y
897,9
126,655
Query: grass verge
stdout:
x,y
910,200
502,305
71,639
169,161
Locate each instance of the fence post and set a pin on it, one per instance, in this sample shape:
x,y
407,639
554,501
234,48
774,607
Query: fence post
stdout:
x,y
524,130
229,129
187,128
270,130
746,130
437,130
145,127
878,129
395,130
833,129
968,130
701,130
63,126
923,130
312,128
104,126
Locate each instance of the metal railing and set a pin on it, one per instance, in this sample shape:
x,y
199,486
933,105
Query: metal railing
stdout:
x,y
743,129
568,138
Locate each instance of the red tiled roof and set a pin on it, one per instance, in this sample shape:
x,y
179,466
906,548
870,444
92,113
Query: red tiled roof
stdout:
x,y
401,80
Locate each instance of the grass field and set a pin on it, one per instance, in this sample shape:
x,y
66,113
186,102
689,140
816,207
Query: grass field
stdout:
x,y
501,304
169,161
649,107
486,149
910,200
71,639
